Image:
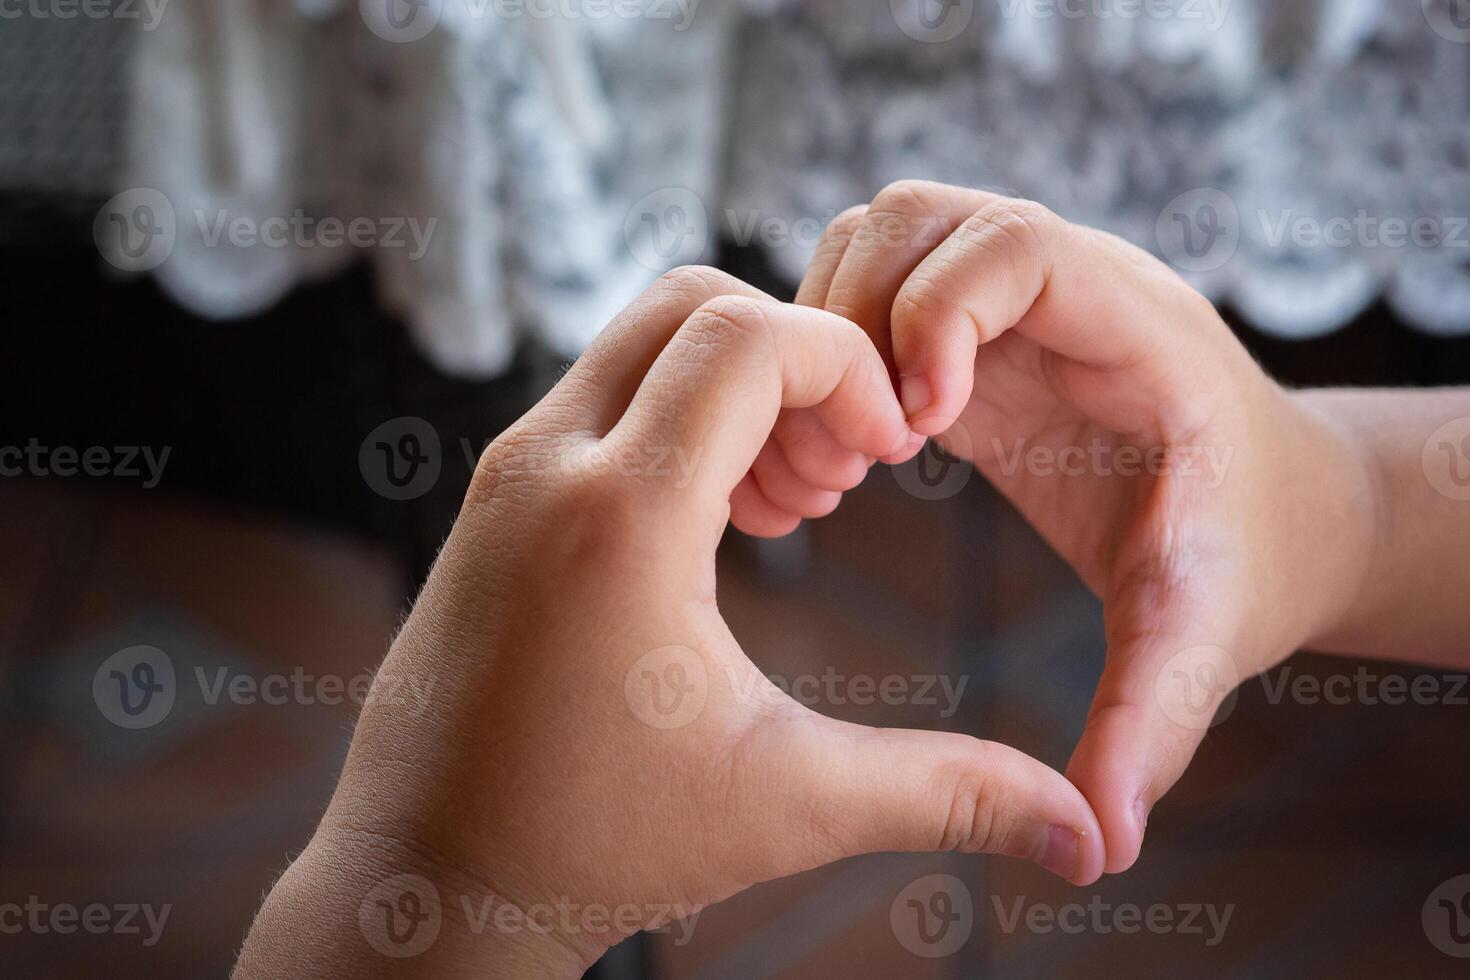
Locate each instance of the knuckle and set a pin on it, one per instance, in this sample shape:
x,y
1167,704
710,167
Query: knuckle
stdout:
x,y
695,280
974,823
925,301
1018,229
906,212
842,227
906,197
516,460
728,323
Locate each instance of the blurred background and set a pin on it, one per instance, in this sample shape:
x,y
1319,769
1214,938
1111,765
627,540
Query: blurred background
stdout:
x,y
275,272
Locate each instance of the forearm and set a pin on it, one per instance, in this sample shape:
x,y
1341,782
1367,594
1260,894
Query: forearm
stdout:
x,y
1411,605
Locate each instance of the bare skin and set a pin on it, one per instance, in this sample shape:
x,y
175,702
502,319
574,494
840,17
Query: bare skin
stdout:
x,y
597,739
1009,330
599,743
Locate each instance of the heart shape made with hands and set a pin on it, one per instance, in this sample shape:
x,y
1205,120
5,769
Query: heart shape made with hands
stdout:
x,y
585,677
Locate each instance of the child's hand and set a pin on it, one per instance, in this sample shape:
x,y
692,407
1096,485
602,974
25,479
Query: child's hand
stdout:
x,y
595,739
1110,403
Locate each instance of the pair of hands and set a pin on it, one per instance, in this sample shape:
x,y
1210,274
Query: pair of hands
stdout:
x,y
598,739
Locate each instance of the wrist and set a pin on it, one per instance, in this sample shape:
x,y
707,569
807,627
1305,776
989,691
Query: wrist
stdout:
x,y
363,904
1348,499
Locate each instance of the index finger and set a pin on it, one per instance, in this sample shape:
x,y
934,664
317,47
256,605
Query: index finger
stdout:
x,y
718,386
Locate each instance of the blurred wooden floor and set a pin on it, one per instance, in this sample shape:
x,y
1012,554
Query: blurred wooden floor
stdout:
x,y
1323,828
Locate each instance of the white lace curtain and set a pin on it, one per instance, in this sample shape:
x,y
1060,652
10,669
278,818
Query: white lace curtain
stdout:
x,y
1298,160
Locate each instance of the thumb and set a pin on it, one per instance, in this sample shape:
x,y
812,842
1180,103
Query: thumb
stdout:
x,y
888,789
1160,692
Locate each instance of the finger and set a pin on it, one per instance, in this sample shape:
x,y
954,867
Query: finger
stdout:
x,y
899,790
787,491
714,392
753,514
828,255
594,393
903,224
1090,300
819,459
816,456
1161,690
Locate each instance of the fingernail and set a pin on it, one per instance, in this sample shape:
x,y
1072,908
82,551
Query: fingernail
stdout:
x,y
914,394
1063,851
